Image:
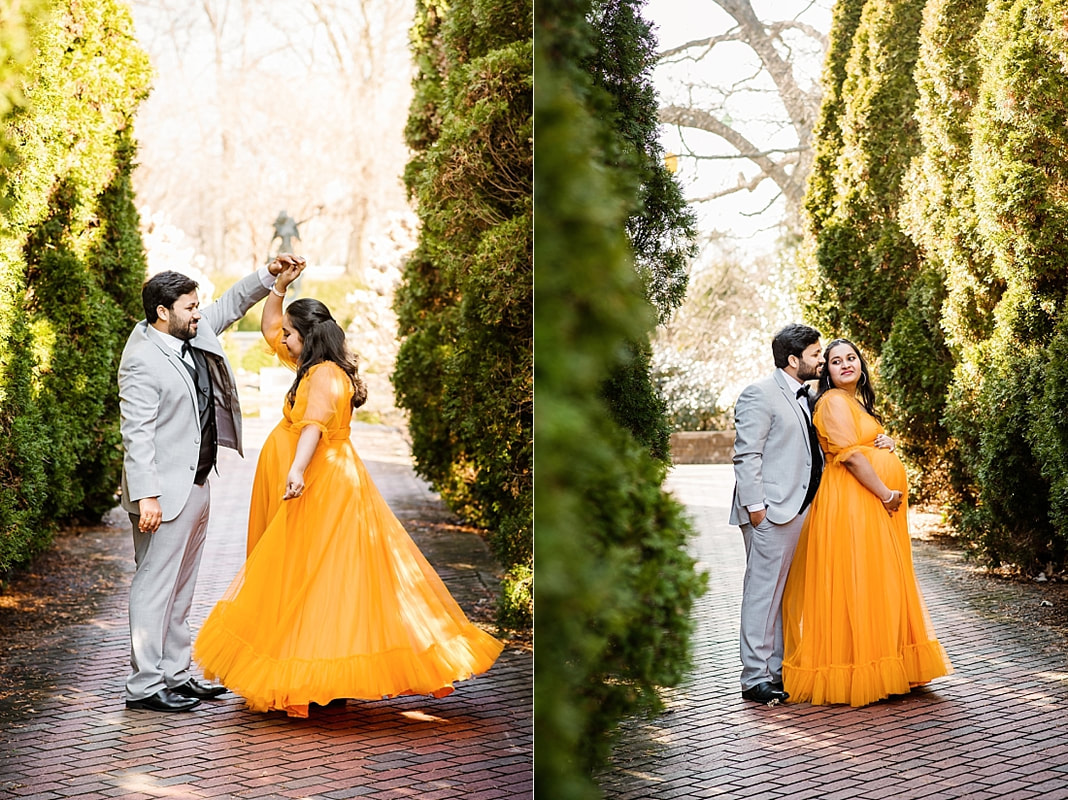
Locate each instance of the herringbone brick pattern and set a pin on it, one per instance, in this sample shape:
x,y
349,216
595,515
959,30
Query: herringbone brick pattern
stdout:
x,y
994,729
79,741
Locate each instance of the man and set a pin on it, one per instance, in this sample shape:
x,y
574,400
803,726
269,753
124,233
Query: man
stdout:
x,y
777,467
178,402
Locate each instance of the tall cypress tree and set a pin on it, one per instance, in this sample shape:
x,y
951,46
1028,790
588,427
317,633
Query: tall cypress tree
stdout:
x,y
862,255
71,266
1011,391
615,584
660,226
870,282
815,292
464,370
965,255
953,302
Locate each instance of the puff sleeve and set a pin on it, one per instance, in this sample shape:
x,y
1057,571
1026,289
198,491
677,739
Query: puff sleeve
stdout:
x,y
838,425
326,387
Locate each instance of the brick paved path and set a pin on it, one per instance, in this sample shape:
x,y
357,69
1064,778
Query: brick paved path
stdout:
x,y
997,728
79,741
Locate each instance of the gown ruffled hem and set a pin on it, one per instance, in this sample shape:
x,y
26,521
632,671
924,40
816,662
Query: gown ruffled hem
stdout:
x,y
861,684
855,626
335,599
268,683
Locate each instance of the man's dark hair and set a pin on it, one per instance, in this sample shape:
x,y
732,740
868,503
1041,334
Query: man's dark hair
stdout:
x,y
162,289
792,341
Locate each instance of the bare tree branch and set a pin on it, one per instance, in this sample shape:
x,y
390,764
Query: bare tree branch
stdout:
x,y
706,44
743,185
776,28
746,156
702,120
765,40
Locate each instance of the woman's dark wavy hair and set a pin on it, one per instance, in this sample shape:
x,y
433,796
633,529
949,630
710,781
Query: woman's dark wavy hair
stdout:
x,y
865,392
324,340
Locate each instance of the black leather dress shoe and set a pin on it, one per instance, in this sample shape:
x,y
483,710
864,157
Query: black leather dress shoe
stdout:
x,y
765,693
164,700
199,690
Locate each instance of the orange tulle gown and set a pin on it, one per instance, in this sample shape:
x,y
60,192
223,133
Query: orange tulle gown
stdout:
x,y
855,625
334,600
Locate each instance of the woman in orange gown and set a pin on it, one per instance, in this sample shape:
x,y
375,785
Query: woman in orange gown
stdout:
x,y
855,625
334,600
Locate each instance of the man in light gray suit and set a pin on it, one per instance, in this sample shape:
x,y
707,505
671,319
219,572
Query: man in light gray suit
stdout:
x,y
178,402
777,467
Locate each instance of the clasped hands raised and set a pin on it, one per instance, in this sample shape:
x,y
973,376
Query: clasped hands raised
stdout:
x,y
286,268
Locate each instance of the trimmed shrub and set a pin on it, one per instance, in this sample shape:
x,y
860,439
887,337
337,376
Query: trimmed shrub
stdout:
x,y
71,266
464,368
615,584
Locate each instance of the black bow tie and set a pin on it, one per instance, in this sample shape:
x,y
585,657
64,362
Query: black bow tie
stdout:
x,y
803,391
187,349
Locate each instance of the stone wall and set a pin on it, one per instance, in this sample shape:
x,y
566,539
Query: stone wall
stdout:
x,y
702,447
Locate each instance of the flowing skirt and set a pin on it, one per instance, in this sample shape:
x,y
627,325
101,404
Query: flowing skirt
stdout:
x,y
335,600
855,625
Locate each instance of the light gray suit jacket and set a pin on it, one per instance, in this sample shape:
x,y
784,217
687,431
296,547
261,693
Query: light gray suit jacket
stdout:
x,y
158,405
772,452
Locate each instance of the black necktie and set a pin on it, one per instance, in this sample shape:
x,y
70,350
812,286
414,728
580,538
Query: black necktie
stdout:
x,y
817,454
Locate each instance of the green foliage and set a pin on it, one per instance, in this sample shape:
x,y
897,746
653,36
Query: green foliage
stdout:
x,y
940,208
71,263
659,224
827,134
19,22
1021,206
969,210
871,282
1008,520
518,588
865,262
615,584
464,369
1048,435
915,374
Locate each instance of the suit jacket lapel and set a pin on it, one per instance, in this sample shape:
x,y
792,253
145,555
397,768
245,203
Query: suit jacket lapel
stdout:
x,y
175,360
791,398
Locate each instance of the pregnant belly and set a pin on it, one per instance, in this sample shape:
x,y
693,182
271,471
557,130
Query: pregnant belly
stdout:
x,y
889,468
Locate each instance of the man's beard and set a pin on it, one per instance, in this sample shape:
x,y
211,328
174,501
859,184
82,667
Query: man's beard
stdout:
x,y
179,331
808,374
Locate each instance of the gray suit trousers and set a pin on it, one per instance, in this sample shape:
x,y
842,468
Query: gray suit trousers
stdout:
x,y
161,595
769,549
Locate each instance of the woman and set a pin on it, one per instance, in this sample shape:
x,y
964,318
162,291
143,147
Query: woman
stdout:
x,y
334,600
856,628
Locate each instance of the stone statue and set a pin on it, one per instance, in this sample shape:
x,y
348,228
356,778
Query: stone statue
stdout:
x,y
285,228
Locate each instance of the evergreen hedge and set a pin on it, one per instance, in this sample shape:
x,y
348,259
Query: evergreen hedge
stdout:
x,y
615,585
660,226
464,369
962,169
1016,455
71,267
